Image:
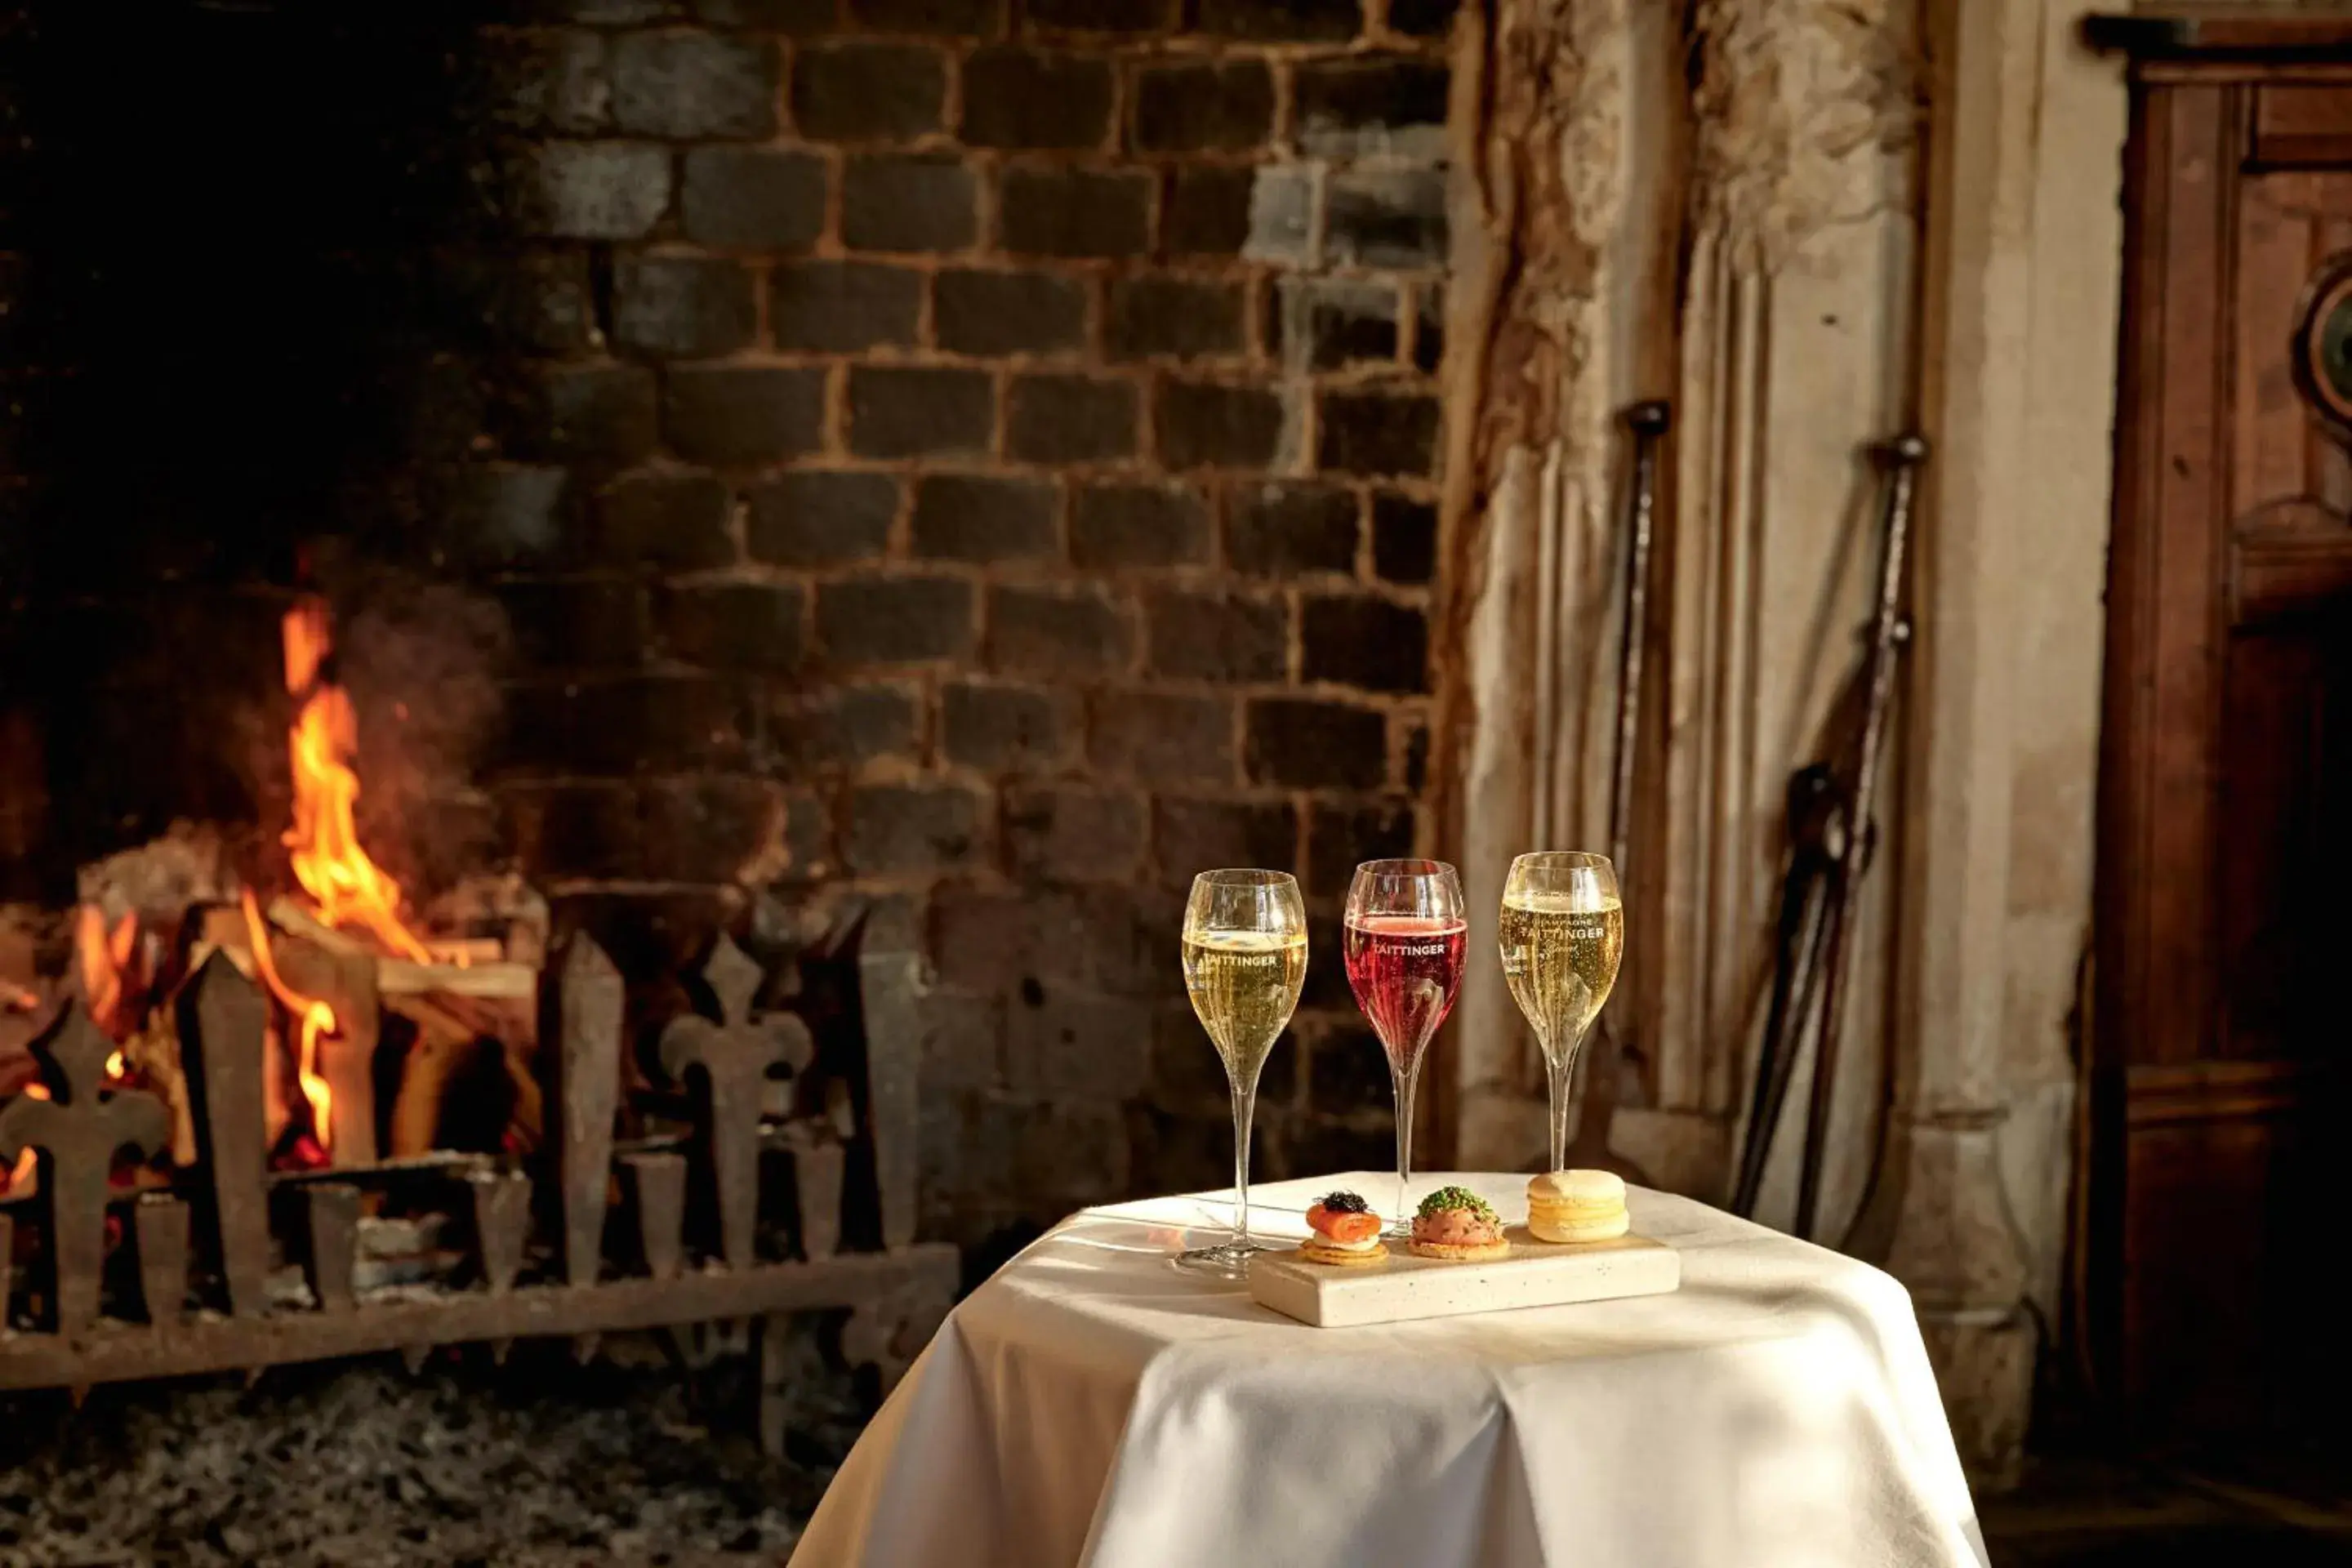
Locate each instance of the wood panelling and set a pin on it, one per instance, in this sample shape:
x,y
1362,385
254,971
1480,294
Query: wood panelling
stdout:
x,y
2222,868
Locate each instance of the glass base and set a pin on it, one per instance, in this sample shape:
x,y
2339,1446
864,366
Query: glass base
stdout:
x,y
1228,1261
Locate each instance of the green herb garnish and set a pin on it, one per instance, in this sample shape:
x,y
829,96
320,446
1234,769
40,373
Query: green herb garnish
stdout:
x,y
1455,1198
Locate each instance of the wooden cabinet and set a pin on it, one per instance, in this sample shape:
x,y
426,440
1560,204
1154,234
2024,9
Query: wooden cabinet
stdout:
x,y
2216,1219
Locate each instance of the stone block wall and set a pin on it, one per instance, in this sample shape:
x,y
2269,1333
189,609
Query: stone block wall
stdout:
x,y
979,454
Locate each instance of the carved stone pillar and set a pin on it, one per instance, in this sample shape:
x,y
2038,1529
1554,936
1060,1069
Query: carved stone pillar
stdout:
x,y
2020,293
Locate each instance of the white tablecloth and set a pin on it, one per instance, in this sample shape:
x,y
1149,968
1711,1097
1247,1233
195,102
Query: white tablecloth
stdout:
x,y
1090,1404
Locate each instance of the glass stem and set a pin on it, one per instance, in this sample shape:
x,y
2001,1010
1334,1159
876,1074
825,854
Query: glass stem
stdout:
x,y
1562,1065
1405,1083
1245,1102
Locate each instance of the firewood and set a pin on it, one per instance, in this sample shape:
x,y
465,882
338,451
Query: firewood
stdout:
x,y
294,920
405,977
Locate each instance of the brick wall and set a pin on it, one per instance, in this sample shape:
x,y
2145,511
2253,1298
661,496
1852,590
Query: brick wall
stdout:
x,y
978,452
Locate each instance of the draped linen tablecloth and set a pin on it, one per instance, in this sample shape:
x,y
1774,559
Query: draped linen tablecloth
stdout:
x,y
1091,1404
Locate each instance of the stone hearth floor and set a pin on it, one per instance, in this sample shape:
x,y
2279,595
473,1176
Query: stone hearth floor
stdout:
x,y
2077,1513
541,1464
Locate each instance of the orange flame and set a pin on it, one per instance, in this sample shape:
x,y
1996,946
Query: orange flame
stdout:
x,y
349,888
27,1159
102,962
318,1020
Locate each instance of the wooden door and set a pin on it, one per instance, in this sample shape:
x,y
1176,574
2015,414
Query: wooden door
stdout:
x,y
2225,855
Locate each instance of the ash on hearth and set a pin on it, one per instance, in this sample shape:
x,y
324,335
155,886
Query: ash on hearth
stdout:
x,y
538,1464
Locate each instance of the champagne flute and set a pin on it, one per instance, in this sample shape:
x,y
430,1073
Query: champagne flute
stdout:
x,y
1244,961
1406,936
1563,935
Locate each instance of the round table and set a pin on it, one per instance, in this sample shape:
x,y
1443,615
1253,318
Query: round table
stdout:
x,y
1092,1404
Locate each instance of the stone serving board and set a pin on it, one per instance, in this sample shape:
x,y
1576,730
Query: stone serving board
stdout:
x,y
1401,1287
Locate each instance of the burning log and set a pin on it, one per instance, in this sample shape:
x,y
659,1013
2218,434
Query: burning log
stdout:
x,y
474,967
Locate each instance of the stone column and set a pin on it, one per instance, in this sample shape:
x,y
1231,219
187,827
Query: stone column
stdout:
x,y
2023,250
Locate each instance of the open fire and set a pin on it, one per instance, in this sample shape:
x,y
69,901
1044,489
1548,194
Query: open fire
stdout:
x,y
340,954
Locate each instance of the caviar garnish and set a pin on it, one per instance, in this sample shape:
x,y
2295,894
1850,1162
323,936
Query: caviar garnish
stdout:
x,y
1455,1198
1344,1203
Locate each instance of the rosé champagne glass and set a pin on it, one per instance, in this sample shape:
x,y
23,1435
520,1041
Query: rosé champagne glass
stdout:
x,y
1563,936
1244,961
1405,939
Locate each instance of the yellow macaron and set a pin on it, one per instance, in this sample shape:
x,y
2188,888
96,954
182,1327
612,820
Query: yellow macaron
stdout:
x,y
1568,1206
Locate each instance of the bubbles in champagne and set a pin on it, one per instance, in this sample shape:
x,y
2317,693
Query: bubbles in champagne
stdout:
x,y
1245,984
1560,952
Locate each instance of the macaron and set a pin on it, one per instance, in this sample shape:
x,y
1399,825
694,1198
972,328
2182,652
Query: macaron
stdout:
x,y
1571,1207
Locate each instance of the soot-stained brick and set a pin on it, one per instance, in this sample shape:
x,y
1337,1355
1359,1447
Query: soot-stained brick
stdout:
x,y
1057,632
1340,837
944,16
1378,433
1283,21
1282,214
575,624
1189,835
1404,539
509,514
1162,737
1217,636
736,625
1076,212
911,827
1217,425
800,18
598,416
592,190
840,306
1102,15
975,312
1022,99
923,203
690,84
891,618
1423,19
1300,742
814,516
762,196
995,727
847,725
1287,529
1386,217
685,307
676,521
858,90
1326,323
1362,640
1118,525
898,411
741,414
1068,833
1070,418
1183,317
1366,103
979,518
1208,211
1209,106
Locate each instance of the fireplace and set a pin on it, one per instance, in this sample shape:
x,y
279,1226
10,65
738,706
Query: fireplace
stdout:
x,y
840,508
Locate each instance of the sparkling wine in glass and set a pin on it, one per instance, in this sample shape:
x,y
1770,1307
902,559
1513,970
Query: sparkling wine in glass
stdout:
x,y
1244,961
1563,935
1405,939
